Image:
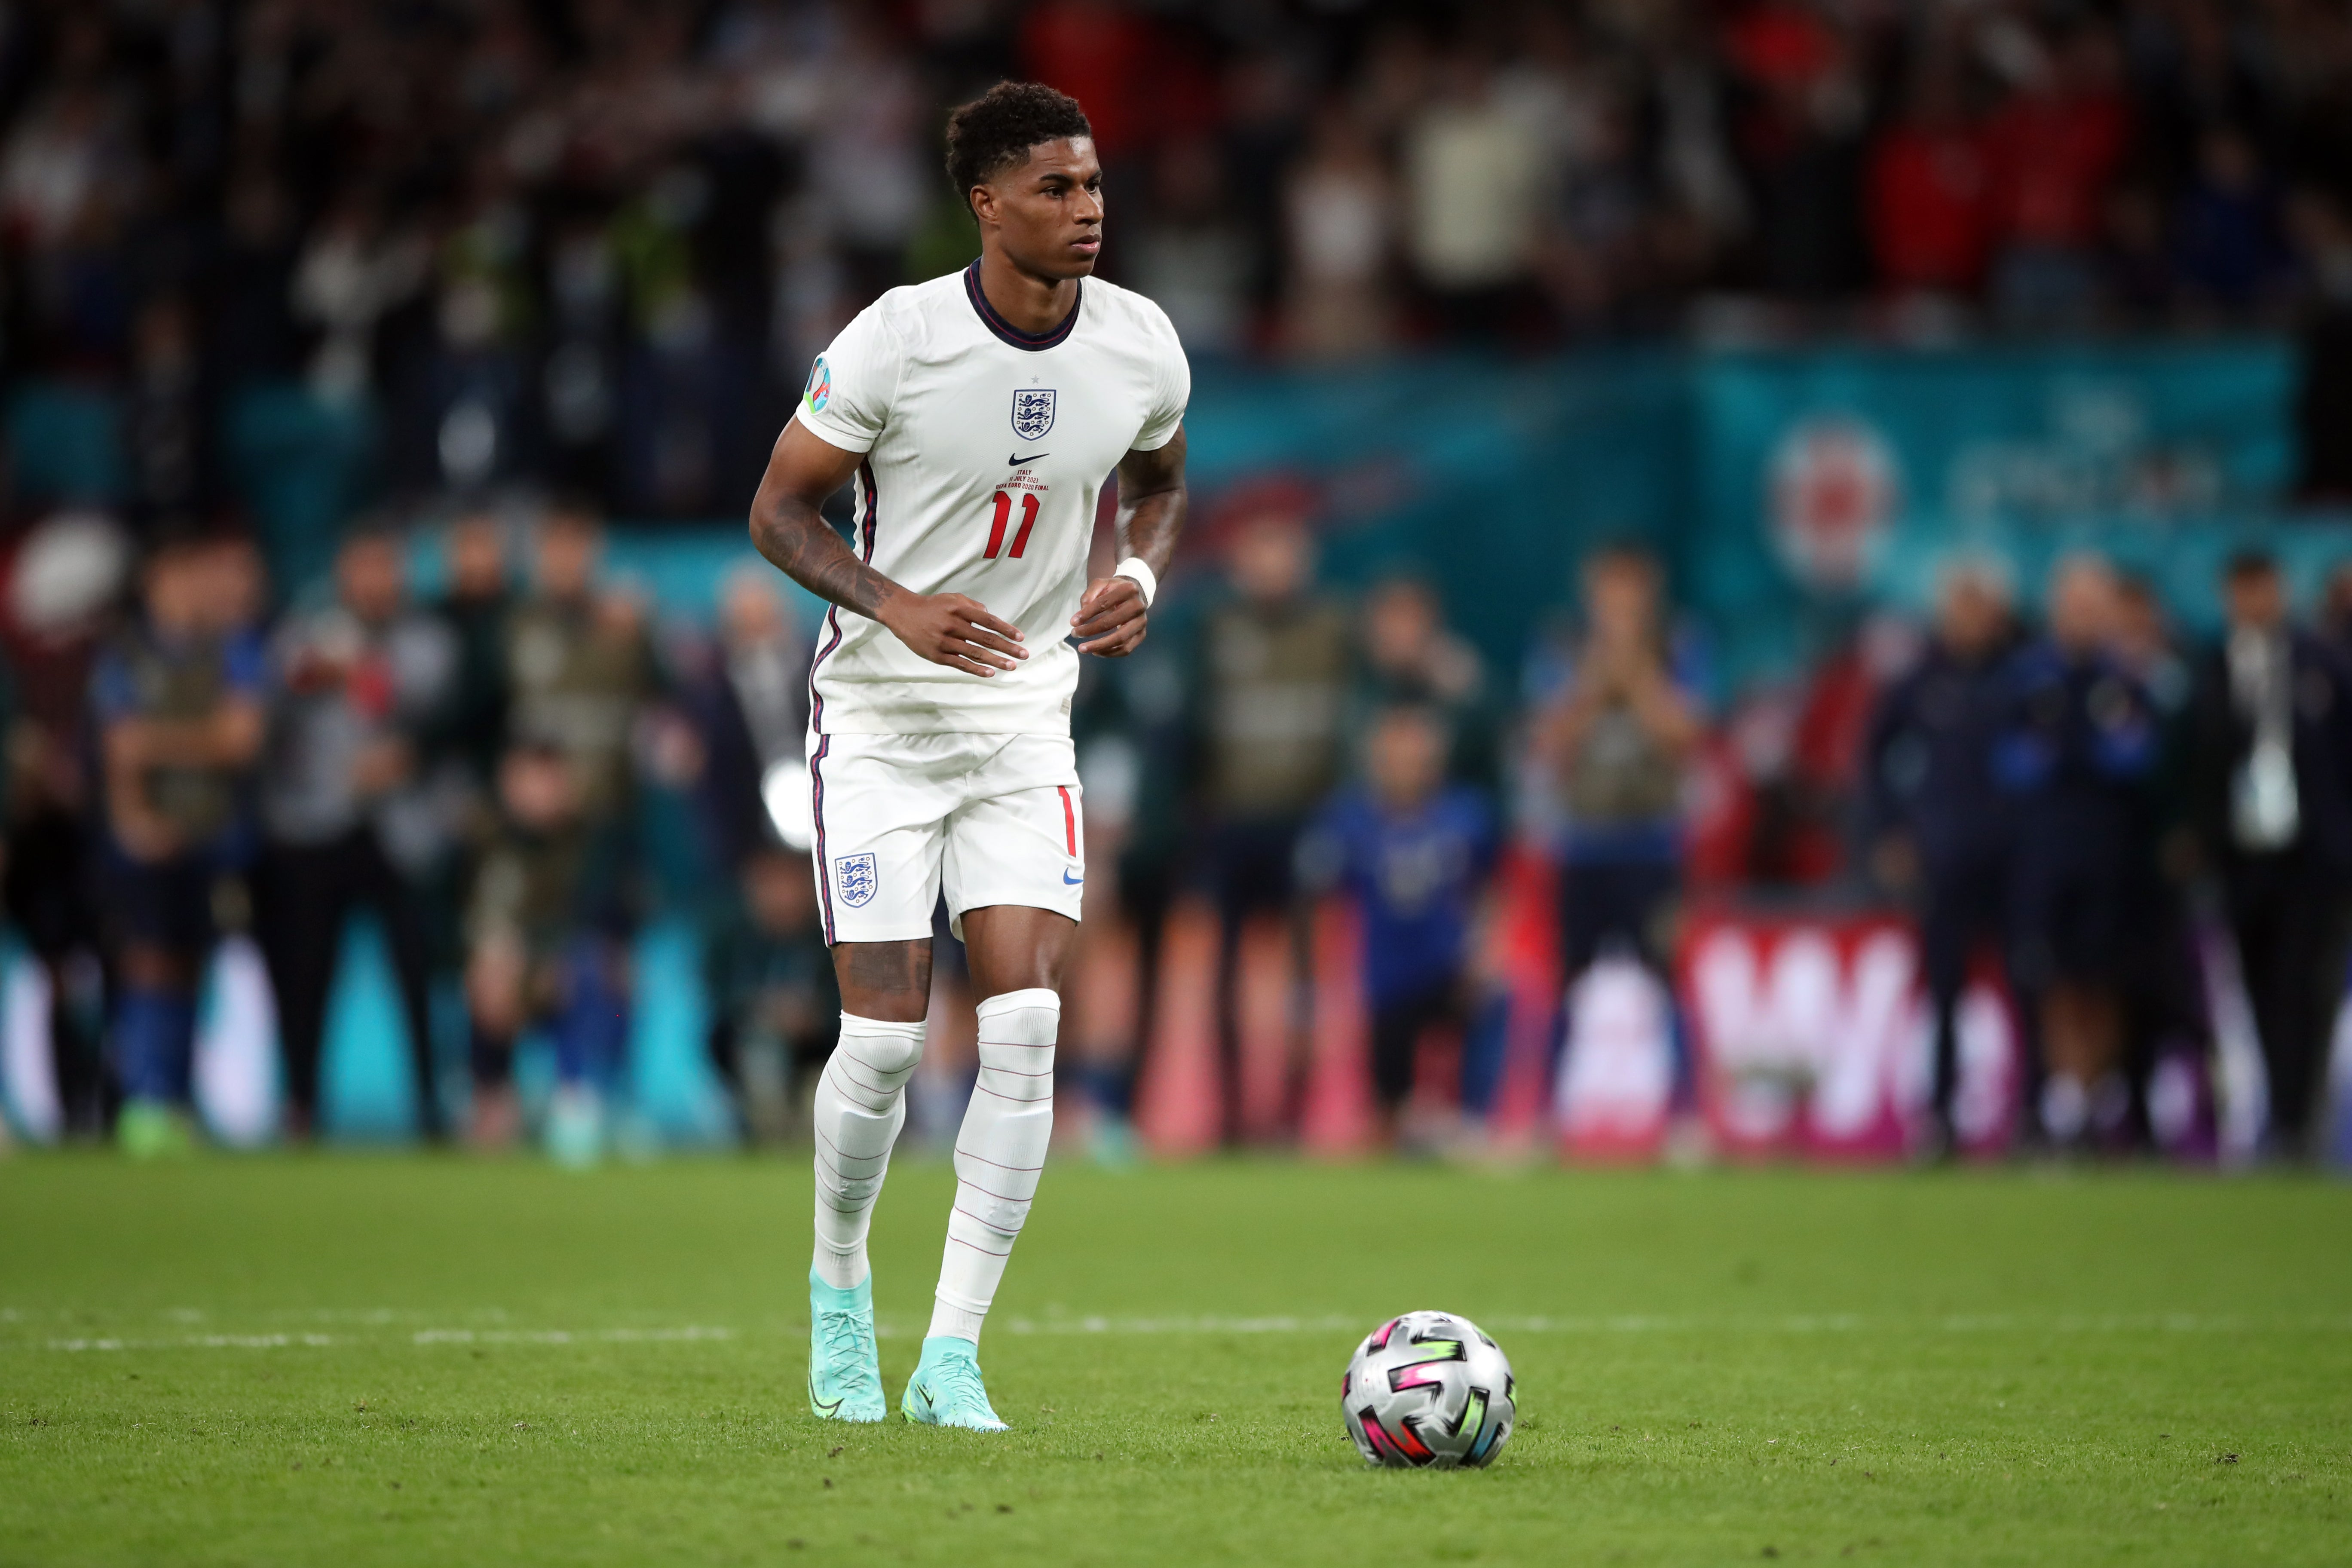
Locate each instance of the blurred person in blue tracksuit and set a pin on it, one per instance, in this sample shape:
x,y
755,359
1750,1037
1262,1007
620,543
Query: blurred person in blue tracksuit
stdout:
x,y
1416,853
177,707
2077,756
1940,832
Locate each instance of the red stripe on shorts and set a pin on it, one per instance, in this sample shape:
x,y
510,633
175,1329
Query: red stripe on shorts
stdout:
x,y
1069,819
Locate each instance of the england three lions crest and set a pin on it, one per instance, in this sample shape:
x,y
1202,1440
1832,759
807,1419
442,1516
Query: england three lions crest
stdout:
x,y
1032,412
854,879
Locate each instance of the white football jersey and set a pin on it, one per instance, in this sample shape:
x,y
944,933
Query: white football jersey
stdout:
x,y
986,450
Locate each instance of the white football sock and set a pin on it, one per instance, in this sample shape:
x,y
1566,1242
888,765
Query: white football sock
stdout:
x,y
998,1153
861,1103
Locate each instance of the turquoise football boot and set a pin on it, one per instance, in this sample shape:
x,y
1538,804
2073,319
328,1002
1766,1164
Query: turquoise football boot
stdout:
x,y
946,1390
845,1372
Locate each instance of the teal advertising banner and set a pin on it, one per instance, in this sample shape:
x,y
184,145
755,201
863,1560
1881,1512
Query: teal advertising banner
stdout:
x,y
1831,476
1787,487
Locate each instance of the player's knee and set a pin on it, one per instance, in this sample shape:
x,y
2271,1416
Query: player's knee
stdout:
x,y
881,1061
1031,1017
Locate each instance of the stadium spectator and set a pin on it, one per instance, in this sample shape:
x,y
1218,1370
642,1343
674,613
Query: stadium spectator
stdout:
x,y
1928,189
1611,739
1339,224
1277,662
1473,188
2165,1016
2230,230
178,707
2274,763
1415,853
579,668
349,816
2055,147
549,901
1800,141
82,562
1940,832
749,711
774,1008
2077,755
1409,655
476,605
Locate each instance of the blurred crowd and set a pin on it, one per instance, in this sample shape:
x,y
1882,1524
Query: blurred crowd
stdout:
x,y
2077,804
469,768
2133,832
597,241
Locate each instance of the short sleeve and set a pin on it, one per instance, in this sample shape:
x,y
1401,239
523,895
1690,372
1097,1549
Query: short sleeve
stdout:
x,y
847,398
1171,392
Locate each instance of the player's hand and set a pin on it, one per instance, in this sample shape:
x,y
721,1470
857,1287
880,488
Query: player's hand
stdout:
x,y
953,629
1111,618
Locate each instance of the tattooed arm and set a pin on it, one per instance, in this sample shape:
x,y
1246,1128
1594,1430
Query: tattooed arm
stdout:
x,y
1112,619
789,528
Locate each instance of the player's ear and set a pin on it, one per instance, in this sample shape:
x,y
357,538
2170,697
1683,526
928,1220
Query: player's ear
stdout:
x,y
982,199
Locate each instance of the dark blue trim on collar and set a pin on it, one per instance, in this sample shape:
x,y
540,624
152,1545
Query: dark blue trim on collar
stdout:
x,y
1003,328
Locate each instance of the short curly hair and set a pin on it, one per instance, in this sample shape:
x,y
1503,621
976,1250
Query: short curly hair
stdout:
x,y
994,131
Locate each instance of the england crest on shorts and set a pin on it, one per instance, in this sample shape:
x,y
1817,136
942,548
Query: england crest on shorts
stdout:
x,y
1032,412
854,878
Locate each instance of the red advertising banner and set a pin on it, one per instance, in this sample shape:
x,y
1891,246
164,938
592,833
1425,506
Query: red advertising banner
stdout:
x,y
1811,1036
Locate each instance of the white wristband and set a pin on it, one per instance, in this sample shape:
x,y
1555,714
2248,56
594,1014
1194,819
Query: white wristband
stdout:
x,y
1134,570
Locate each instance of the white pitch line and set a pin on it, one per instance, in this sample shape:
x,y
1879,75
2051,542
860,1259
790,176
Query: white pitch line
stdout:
x,y
565,1336
1327,1324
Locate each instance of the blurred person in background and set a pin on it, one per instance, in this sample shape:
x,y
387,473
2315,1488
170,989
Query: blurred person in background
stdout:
x,y
1278,660
543,930
1473,186
1340,222
1191,259
348,818
2230,239
2054,148
1409,654
69,572
1614,740
1930,187
749,712
1416,854
2273,797
178,703
578,665
775,1008
1940,832
579,671
2165,1011
2077,757
474,604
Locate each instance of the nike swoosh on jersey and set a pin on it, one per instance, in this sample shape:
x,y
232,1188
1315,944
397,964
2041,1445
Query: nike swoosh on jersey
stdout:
x,y
1070,882
1032,458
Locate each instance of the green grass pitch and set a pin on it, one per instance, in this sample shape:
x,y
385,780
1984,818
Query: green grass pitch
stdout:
x,y
378,1359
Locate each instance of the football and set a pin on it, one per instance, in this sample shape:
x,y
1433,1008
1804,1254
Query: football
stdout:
x,y
1429,1390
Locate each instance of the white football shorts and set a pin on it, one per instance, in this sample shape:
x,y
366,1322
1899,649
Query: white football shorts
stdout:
x,y
986,819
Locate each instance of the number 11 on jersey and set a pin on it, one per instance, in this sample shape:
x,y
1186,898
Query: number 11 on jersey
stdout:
x,y
1003,516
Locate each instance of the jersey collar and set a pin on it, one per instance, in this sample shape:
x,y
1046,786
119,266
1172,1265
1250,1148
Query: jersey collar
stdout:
x,y
1005,329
